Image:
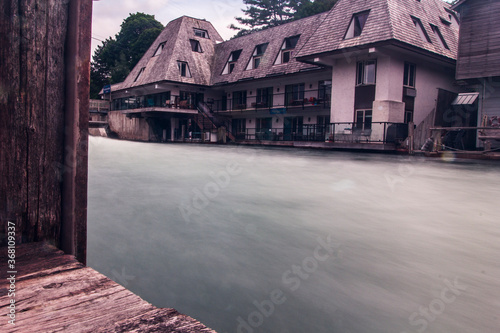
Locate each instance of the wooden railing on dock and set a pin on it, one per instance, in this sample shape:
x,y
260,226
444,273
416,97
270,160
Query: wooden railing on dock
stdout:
x,y
56,293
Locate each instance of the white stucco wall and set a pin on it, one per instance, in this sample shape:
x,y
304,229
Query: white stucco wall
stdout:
x,y
389,86
343,83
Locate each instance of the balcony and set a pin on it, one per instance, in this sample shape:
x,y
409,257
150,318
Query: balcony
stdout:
x,y
318,99
348,132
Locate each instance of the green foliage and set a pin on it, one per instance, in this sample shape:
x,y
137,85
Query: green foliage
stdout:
x,y
263,14
308,8
266,13
115,58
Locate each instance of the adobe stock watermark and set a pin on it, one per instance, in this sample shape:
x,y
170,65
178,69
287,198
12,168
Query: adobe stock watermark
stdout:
x,y
202,197
219,180
425,315
291,280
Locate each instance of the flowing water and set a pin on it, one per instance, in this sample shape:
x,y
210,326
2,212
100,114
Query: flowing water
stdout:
x,y
275,240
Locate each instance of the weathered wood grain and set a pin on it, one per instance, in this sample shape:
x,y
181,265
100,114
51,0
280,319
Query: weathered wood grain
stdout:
x,y
35,152
479,43
56,293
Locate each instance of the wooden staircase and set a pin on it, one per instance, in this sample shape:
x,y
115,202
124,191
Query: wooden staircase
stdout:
x,y
207,120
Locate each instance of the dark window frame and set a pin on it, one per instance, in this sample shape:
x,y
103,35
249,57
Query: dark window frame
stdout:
x,y
420,29
141,71
361,72
195,46
234,56
357,24
159,49
439,36
184,70
409,75
201,33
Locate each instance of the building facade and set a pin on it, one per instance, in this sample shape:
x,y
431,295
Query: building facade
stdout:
x,y
360,73
478,69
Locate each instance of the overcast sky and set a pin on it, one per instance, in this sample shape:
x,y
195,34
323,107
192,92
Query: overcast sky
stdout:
x,y
109,14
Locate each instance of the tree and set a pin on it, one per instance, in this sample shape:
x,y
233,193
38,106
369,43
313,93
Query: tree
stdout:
x,y
308,8
266,13
262,14
115,58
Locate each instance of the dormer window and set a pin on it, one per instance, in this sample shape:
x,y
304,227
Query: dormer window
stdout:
x,y
420,29
159,49
439,37
286,52
195,45
257,54
140,74
357,24
200,33
231,62
183,69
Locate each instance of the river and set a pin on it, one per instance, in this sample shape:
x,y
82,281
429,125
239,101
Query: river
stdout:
x,y
279,240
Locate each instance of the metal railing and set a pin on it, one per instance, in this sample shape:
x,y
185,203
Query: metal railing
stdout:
x,y
141,102
318,98
348,132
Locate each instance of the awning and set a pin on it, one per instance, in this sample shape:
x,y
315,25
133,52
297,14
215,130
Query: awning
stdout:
x,y
465,98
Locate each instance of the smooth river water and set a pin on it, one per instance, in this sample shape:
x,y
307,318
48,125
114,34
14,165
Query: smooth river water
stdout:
x,y
275,240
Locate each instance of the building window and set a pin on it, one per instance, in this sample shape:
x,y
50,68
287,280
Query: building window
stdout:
x,y
257,54
363,120
294,94
184,69
286,51
263,124
366,72
239,127
240,99
231,62
324,90
200,33
159,49
357,24
195,45
439,37
409,75
140,73
264,97
420,29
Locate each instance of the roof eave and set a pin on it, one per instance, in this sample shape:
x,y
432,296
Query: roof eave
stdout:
x,y
346,51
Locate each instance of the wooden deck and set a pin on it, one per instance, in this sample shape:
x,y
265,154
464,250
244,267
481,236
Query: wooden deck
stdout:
x,y
56,293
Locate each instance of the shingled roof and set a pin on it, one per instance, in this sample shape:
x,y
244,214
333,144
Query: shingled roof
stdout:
x,y
388,21
275,37
164,67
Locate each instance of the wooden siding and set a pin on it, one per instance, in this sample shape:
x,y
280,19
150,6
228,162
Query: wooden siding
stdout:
x,y
479,44
44,84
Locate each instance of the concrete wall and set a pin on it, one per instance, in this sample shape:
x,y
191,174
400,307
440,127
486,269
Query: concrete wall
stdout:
x,y
388,104
429,77
128,129
343,84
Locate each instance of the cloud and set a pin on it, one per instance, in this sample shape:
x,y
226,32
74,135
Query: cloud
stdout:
x,y
108,15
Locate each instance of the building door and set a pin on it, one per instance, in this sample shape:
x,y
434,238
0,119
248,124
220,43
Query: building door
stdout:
x,y
292,128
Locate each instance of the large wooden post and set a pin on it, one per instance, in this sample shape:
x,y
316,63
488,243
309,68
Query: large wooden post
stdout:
x,y
44,84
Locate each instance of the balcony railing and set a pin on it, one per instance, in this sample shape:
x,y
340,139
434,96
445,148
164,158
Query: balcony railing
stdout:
x,y
318,98
141,102
349,132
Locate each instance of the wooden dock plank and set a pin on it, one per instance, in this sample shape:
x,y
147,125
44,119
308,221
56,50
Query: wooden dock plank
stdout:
x,y
56,293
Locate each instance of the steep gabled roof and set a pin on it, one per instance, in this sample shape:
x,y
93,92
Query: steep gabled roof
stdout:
x,y
164,67
275,37
388,21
